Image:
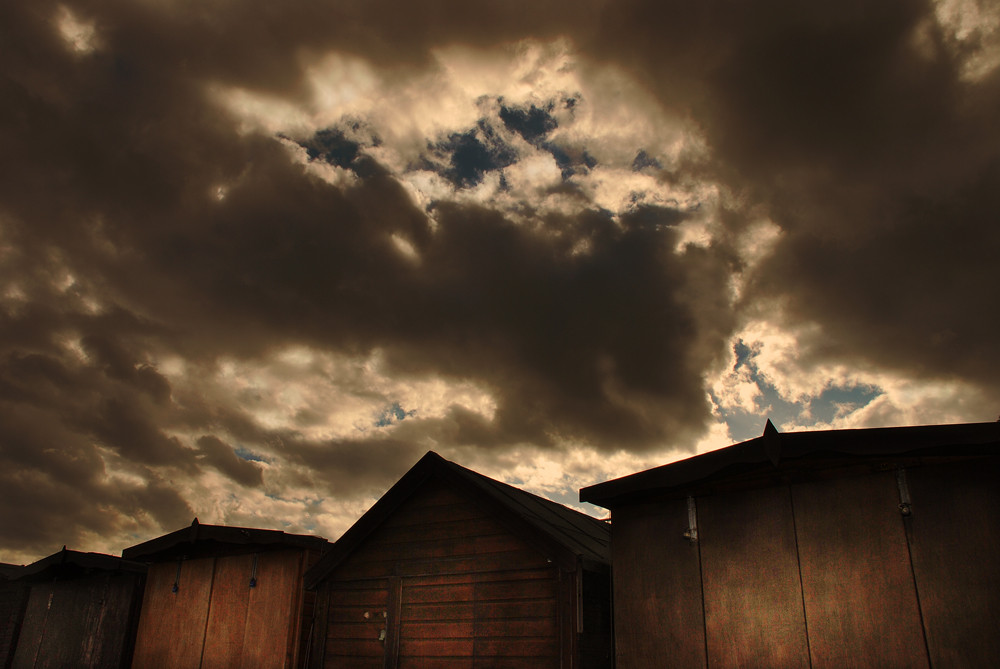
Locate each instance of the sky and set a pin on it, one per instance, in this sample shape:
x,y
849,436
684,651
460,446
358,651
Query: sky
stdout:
x,y
257,258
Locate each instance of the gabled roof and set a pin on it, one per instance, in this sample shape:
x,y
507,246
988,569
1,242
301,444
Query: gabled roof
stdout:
x,y
200,540
774,452
571,536
68,564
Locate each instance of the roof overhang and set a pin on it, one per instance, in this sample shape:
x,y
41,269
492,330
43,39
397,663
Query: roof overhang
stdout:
x,y
773,454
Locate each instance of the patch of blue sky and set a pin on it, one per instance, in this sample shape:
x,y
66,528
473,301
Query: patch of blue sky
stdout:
x,y
823,408
393,414
246,454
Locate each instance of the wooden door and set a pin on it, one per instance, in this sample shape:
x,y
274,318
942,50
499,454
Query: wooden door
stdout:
x,y
172,624
357,624
860,601
955,543
657,588
461,621
753,597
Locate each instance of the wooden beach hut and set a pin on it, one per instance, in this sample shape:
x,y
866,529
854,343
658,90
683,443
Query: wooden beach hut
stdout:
x,y
220,596
81,611
843,548
453,569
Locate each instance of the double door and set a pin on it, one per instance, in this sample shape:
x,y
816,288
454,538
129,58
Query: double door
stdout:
x,y
507,619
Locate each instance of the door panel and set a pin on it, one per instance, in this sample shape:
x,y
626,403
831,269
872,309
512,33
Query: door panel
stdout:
x,y
861,606
357,618
171,625
753,597
657,588
956,552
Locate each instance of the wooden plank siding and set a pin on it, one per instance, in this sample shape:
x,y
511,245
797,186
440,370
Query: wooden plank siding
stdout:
x,y
356,615
172,624
450,585
659,618
84,622
955,546
216,619
863,548
860,601
13,602
753,599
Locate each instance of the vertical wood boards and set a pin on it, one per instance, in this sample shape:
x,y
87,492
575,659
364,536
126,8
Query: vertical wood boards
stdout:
x,y
77,623
955,546
13,602
172,624
860,601
753,599
216,619
657,588
110,621
227,614
272,611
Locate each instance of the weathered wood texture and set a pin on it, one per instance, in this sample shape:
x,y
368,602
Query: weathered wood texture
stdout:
x,y
172,624
753,599
659,619
955,544
83,622
595,631
860,601
13,602
448,586
216,619
356,619
822,573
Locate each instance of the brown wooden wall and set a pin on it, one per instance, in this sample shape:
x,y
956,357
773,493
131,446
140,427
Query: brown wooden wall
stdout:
x,y
83,622
446,586
825,573
215,619
13,601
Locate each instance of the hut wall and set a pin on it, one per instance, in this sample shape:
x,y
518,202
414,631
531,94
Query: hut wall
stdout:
x,y
821,573
82,622
13,601
441,583
215,619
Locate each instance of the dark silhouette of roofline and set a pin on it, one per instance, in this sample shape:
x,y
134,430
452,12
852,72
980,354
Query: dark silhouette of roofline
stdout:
x,y
66,564
773,451
567,536
198,539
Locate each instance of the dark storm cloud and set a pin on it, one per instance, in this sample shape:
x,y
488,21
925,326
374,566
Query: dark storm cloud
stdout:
x,y
221,456
138,221
852,127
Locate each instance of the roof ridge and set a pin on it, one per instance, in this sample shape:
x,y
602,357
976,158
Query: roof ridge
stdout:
x,y
548,512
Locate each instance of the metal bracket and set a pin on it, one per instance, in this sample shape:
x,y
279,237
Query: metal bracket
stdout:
x,y
905,506
692,531
177,577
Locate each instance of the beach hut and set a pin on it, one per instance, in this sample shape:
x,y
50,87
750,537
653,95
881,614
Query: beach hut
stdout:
x,y
81,610
221,596
842,548
453,569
